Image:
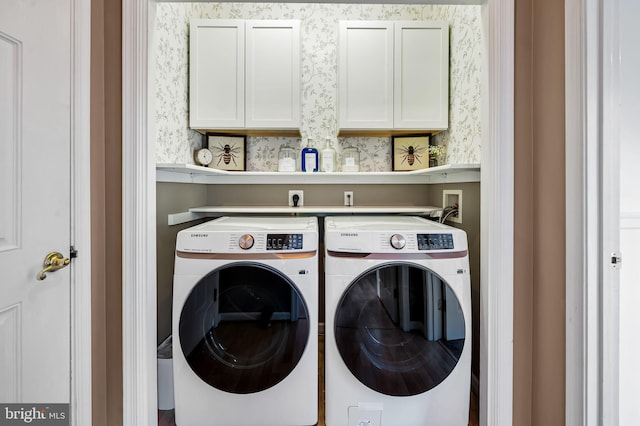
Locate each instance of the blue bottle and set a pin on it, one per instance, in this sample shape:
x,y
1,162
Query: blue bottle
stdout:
x,y
309,158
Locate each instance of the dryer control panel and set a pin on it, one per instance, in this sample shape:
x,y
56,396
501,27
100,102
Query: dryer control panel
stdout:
x,y
435,241
284,242
399,235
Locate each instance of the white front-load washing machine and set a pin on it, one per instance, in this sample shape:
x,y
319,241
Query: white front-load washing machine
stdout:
x,y
245,329
397,323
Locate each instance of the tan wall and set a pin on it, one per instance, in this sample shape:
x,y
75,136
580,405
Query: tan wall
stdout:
x,y
524,224
171,198
539,239
106,205
318,195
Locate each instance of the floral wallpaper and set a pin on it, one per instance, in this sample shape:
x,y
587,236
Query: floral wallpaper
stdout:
x,y
175,142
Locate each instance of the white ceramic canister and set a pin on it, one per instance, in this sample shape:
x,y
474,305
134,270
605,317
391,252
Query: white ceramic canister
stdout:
x,y
286,159
350,159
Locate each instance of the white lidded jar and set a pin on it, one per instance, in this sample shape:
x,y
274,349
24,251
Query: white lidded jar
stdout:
x,y
328,157
350,159
286,159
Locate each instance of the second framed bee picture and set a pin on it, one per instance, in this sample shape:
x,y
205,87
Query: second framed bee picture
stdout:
x,y
410,152
228,151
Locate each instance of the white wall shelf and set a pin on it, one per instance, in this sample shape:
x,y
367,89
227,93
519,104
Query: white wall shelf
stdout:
x,y
216,211
189,173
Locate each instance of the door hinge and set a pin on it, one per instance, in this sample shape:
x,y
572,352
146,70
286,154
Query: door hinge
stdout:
x,y
73,253
616,260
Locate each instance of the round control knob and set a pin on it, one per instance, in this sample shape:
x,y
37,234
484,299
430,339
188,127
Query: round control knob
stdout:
x,y
397,241
246,242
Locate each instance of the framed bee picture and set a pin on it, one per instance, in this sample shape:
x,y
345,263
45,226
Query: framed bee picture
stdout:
x,y
228,151
410,152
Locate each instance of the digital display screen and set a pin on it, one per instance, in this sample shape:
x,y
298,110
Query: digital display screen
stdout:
x,y
435,241
284,241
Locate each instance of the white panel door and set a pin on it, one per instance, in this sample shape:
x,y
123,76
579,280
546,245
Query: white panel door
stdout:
x,y
35,135
629,212
272,75
365,75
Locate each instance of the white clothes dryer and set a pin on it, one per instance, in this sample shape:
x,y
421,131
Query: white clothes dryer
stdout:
x,y
245,328
398,322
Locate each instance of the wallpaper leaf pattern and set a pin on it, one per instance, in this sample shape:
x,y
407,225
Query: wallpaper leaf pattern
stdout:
x,y
175,142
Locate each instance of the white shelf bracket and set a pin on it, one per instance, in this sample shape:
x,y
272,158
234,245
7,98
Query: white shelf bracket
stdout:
x,y
184,217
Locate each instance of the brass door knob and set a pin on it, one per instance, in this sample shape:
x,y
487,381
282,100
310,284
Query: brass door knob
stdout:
x,y
52,263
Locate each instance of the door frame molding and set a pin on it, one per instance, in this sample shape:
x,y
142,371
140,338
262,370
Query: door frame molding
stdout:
x,y
139,241
591,81
581,117
139,346
578,365
497,217
81,371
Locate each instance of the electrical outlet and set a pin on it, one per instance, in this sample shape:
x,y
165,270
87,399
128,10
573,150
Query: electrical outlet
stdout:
x,y
348,198
452,197
300,194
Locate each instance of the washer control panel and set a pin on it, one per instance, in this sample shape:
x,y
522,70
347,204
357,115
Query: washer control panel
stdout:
x,y
284,242
435,241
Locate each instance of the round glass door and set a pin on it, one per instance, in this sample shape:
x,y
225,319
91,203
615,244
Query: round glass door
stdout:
x,y
400,329
244,328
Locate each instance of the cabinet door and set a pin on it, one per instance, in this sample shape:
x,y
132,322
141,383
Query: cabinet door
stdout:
x,y
216,74
365,69
272,74
421,86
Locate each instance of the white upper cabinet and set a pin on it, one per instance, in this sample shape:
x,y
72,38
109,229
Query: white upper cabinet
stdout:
x,y
421,75
244,74
365,68
216,74
272,74
393,75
